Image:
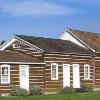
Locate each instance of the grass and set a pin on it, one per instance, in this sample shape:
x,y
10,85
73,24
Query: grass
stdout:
x,y
69,96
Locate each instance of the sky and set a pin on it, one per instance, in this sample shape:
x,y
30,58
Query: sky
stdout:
x,y
47,18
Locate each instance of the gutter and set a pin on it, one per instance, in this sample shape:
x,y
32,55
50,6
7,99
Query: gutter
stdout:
x,y
21,63
71,53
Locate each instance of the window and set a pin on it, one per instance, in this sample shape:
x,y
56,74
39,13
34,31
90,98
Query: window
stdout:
x,y
54,71
86,71
22,69
16,45
5,74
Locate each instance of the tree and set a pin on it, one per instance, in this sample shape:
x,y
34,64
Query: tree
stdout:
x,y
2,42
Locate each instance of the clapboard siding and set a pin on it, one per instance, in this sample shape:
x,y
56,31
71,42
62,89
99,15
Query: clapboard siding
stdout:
x,y
14,80
31,52
41,74
60,59
36,77
25,48
97,71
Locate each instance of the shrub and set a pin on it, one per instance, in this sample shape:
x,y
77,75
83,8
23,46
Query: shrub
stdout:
x,y
36,90
17,91
87,87
67,90
79,90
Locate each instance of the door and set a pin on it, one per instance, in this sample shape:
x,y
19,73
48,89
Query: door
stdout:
x,y
66,75
24,77
76,76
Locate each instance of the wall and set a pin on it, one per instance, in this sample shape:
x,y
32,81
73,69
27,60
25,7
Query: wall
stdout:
x,y
97,71
60,59
36,77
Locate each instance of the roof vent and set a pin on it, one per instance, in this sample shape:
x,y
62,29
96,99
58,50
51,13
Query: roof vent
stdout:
x,y
16,45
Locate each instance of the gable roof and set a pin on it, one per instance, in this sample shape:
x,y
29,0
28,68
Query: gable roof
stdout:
x,y
55,45
15,56
89,38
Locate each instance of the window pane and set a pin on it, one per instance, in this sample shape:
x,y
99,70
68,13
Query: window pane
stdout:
x,y
86,72
53,71
23,71
4,78
4,74
4,70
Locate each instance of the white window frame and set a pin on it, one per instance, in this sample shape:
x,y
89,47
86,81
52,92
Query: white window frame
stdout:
x,y
16,45
8,66
87,65
52,78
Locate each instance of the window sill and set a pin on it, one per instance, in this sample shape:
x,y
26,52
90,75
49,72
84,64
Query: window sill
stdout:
x,y
5,83
54,79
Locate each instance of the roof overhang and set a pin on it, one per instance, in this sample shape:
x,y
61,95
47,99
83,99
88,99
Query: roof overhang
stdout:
x,y
71,53
13,39
81,41
7,43
83,44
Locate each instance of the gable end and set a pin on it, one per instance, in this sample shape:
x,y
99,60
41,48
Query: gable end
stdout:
x,y
67,35
14,39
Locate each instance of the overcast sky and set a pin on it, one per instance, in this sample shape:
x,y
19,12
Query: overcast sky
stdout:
x,y
48,18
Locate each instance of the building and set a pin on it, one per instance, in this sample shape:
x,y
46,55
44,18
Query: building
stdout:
x,y
71,60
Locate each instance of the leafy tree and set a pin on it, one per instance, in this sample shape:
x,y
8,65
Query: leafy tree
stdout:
x,y
2,42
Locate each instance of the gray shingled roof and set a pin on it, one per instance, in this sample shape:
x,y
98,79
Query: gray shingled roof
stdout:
x,y
55,45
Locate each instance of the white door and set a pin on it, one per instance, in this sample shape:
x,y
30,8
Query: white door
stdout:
x,y
24,77
76,76
66,75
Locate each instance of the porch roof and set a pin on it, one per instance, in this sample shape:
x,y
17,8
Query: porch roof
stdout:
x,y
15,56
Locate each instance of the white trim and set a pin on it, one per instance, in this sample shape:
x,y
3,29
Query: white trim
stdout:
x,y
13,39
16,45
74,36
7,43
56,71
81,40
61,35
8,66
87,65
69,37
19,63
29,43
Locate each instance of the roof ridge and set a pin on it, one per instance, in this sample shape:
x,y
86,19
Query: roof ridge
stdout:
x,y
53,39
45,38
53,45
90,38
84,31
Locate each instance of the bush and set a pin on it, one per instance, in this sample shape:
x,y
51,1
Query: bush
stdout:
x,y
87,87
17,91
36,90
67,90
79,90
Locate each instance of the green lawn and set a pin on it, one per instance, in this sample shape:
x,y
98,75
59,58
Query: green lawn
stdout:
x,y
73,96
